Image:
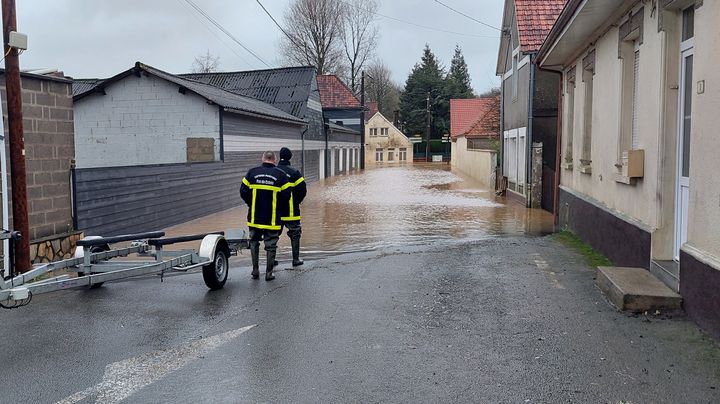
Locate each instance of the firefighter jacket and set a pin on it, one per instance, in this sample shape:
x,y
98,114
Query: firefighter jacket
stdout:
x,y
265,189
298,190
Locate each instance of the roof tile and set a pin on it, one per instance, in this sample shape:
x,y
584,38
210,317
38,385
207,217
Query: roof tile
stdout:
x,y
335,94
535,19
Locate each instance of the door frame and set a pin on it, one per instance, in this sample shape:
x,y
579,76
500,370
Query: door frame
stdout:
x,y
687,48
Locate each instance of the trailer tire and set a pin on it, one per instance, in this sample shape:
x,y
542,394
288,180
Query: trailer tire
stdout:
x,y
215,274
96,249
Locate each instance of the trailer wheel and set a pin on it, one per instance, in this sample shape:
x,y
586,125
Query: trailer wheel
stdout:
x,y
215,274
96,249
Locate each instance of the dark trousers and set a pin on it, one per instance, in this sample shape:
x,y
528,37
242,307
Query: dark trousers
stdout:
x,y
294,230
269,237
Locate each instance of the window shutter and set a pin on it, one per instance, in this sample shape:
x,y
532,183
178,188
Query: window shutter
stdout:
x,y
635,94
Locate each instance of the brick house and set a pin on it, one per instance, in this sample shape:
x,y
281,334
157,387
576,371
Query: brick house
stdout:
x,y
475,135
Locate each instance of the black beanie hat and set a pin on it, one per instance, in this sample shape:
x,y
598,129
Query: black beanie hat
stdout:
x,y
285,154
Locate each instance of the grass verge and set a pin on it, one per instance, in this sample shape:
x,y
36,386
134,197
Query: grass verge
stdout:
x,y
594,258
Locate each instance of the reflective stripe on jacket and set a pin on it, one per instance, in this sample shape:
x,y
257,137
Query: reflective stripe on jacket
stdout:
x,y
298,190
264,189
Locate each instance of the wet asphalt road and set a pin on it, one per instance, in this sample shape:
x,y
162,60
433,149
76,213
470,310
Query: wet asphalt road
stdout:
x,y
494,318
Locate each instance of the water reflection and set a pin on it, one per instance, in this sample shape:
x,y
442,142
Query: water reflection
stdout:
x,y
393,207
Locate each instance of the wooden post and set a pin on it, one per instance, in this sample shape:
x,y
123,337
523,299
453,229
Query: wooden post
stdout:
x,y
17,142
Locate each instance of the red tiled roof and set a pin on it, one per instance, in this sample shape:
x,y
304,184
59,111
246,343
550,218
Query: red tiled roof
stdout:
x,y
474,117
535,19
335,94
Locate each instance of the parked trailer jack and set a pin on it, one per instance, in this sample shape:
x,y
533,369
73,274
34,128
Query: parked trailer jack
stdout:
x,y
96,263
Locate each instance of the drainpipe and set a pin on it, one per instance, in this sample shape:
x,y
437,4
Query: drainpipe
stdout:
x,y
302,148
502,132
326,126
528,134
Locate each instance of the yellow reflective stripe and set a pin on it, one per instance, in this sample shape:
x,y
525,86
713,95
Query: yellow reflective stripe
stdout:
x,y
265,187
246,182
292,208
274,208
252,210
264,226
290,218
286,186
296,183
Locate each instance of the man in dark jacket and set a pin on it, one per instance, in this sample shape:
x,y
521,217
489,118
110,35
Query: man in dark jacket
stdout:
x,y
291,212
264,189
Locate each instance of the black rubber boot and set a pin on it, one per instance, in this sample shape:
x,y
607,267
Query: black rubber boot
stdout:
x,y
295,243
255,255
270,265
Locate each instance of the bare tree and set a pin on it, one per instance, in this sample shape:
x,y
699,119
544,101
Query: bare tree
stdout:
x,y
314,33
359,36
206,63
380,88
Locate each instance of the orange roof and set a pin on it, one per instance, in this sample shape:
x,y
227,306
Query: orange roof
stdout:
x,y
474,117
335,94
535,19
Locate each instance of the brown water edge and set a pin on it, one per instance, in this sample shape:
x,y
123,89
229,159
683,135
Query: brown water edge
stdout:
x,y
391,207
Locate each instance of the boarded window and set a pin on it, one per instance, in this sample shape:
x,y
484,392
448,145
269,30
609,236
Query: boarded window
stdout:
x,y
200,149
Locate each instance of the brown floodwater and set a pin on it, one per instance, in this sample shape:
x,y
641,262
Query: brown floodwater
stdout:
x,y
396,206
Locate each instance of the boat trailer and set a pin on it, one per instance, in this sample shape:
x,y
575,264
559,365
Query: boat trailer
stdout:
x,y
95,263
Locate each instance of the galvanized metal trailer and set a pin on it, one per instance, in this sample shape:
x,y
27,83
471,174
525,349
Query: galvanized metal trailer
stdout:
x,y
95,263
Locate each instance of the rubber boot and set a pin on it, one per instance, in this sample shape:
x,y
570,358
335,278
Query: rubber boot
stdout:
x,y
270,265
255,255
295,243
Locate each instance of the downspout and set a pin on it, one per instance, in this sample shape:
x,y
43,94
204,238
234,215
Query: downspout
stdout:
x,y
302,148
528,133
326,126
221,130
502,136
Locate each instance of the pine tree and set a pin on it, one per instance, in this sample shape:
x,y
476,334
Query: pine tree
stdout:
x,y
458,79
428,76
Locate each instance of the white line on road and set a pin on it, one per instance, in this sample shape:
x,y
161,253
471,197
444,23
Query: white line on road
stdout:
x,y
545,267
122,379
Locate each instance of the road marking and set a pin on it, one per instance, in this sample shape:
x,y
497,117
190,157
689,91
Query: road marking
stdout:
x,y
122,379
545,267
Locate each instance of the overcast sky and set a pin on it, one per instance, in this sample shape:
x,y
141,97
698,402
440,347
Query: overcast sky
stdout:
x,y
99,38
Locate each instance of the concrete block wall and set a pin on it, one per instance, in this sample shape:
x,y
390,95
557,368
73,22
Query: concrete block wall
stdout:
x,y
141,121
49,149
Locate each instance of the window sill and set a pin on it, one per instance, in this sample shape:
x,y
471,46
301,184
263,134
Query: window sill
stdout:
x,y
567,166
586,169
622,179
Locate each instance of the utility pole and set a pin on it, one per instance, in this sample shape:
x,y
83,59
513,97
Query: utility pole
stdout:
x,y
17,143
362,120
427,128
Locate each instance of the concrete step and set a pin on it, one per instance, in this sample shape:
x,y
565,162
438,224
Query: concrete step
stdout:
x,y
636,290
668,272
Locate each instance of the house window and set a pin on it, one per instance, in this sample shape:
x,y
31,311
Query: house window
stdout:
x,y
373,131
588,73
402,155
391,154
688,31
379,155
631,38
570,121
384,131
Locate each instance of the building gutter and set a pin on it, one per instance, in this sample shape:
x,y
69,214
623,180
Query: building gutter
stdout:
x,y
221,130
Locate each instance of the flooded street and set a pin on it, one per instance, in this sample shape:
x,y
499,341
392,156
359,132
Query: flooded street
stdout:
x,y
421,287
396,206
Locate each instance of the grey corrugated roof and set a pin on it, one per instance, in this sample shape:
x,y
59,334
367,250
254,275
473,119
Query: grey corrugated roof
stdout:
x,y
340,128
285,88
82,85
226,99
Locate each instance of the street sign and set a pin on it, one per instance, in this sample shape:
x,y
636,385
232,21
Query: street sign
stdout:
x,y
416,140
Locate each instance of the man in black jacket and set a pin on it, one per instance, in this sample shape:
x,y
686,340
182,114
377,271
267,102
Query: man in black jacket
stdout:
x,y
264,189
291,212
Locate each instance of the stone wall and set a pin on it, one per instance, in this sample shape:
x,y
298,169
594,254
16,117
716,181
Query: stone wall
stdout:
x,y
49,150
54,248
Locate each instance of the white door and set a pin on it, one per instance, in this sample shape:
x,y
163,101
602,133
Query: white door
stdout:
x,y
683,190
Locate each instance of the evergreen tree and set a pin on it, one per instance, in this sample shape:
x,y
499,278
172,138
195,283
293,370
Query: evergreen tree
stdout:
x,y
458,79
428,76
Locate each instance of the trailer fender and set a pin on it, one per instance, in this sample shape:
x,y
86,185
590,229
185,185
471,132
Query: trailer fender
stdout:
x,y
210,244
79,251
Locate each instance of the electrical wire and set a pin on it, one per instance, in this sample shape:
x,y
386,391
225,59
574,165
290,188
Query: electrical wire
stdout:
x,y
279,26
6,53
465,15
225,31
417,25
14,304
202,22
